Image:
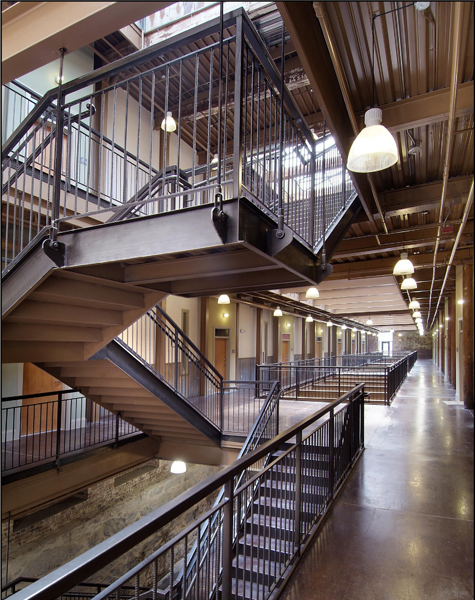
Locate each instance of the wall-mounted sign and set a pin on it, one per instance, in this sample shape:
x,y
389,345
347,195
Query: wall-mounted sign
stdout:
x,y
286,336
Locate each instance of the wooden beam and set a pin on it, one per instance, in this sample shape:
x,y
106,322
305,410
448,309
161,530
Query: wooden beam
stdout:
x,y
396,242
424,197
385,266
425,109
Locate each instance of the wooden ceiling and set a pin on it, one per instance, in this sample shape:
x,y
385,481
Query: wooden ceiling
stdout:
x,y
424,63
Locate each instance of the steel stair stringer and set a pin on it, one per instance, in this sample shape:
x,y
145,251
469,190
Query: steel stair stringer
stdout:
x,y
116,380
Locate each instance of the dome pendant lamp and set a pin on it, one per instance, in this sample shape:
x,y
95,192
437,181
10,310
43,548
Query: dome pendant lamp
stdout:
x,y
403,266
409,283
414,304
374,148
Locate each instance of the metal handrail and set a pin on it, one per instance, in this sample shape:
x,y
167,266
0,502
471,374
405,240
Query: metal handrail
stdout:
x,y
84,566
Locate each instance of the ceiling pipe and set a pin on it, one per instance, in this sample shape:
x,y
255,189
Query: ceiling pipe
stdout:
x,y
321,13
466,212
456,40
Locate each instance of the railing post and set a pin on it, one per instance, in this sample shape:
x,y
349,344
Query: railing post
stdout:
x,y
331,452
58,430
221,408
298,491
297,382
238,81
116,444
176,360
227,540
58,159
339,382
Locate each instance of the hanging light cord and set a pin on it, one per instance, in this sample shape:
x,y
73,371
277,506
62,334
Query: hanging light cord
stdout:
x,y
280,231
323,266
372,34
219,195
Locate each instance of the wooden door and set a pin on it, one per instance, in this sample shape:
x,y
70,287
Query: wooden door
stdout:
x,y
285,351
41,418
319,353
220,347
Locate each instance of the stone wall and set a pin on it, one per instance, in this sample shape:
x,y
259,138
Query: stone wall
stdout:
x,y
110,506
410,341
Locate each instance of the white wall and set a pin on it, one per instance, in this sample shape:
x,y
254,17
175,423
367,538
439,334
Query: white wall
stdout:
x,y
247,329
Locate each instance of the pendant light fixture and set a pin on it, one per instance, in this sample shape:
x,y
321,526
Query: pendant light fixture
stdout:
x,y
374,148
309,319
409,283
277,312
344,327
329,324
312,293
168,123
369,321
416,314
404,266
414,304
224,299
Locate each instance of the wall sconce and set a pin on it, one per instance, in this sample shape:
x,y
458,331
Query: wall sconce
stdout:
x,y
178,466
287,324
225,315
460,301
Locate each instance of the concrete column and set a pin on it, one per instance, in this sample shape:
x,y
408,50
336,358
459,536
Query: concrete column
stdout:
x,y
467,357
442,341
451,341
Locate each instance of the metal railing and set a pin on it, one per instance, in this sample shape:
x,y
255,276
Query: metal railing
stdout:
x,y
163,348
73,162
83,591
382,376
35,433
302,478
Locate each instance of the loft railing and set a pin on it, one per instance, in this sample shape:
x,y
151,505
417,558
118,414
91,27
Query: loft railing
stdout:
x,y
337,442
82,156
162,347
37,429
382,376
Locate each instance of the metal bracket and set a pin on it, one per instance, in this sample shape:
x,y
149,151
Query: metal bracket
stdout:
x,y
278,239
56,251
324,273
220,221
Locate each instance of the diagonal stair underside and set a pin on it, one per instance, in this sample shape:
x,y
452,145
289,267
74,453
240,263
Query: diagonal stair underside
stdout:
x,y
116,380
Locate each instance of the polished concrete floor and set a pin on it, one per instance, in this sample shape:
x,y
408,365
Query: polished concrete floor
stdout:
x,y
402,527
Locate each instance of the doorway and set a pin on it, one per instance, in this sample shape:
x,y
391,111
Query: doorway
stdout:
x,y
220,355
285,351
385,348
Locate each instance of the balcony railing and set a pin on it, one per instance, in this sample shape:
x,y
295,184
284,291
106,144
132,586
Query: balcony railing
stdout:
x,y
319,463
44,428
329,378
75,161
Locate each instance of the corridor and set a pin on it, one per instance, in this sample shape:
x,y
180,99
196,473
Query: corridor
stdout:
x,y
402,528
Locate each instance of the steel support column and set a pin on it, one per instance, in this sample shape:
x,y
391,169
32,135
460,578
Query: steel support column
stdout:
x,y
467,358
